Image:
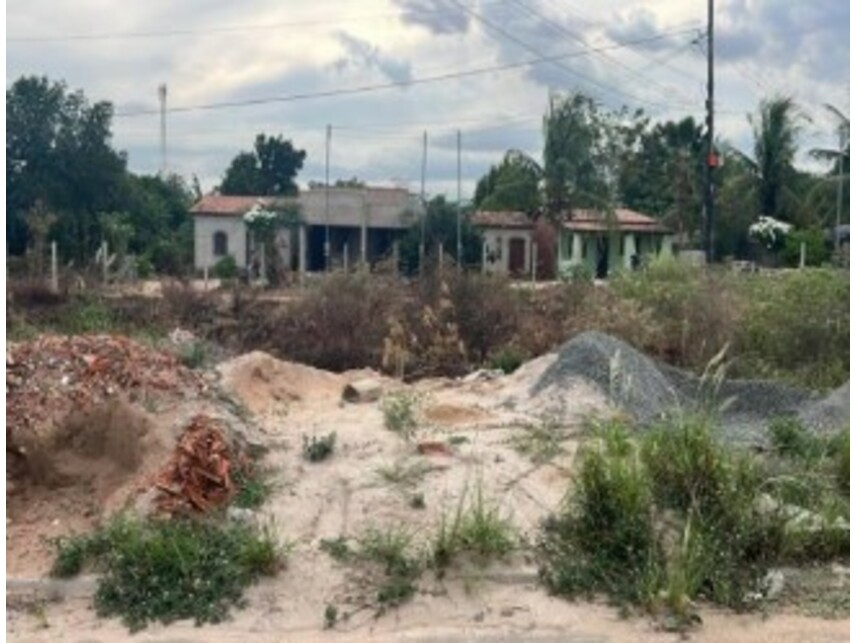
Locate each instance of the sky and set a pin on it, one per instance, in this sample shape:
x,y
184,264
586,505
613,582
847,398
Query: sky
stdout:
x,y
437,66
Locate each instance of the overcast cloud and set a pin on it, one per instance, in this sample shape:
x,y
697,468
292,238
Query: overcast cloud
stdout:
x,y
213,52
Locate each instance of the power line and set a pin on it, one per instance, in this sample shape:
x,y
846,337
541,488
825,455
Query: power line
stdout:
x,y
633,73
573,72
379,86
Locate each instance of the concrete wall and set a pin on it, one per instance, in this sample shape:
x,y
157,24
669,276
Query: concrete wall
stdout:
x,y
582,249
496,253
376,208
204,229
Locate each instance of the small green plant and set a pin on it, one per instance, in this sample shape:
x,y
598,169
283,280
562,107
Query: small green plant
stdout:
x,y
337,548
400,413
476,528
792,439
541,442
316,449
404,474
226,268
255,485
390,549
458,440
508,360
166,570
417,501
194,354
331,615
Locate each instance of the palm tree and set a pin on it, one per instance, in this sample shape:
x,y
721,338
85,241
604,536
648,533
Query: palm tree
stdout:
x,y
775,132
843,153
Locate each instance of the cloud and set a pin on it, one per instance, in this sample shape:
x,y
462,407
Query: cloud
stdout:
x,y
361,53
440,17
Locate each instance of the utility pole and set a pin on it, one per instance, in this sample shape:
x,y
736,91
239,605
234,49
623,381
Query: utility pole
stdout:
x,y
711,156
423,200
458,207
327,199
162,99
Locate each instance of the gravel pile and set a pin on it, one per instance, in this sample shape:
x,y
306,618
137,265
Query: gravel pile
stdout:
x,y
647,390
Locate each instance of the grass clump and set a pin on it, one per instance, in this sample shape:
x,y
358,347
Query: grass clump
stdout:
x,y
317,449
400,413
404,475
476,529
160,570
194,355
676,517
541,442
255,485
390,551
508,360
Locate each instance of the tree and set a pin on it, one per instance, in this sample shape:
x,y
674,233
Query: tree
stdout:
x,y
511,185
775,132
576,158
269,170
441,221
58,151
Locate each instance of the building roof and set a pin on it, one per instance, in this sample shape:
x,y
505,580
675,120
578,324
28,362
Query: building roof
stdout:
x,y
218,205
501,219
624,220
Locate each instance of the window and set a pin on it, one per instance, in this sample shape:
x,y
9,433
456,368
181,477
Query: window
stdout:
x,y
221,244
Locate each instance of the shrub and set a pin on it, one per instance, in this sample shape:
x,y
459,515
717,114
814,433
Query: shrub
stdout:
x,y
194,354
225,268
400,415
508,360
817,252
316,449
390,549
164,571
255,485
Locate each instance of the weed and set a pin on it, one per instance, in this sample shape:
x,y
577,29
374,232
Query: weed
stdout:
x,y
316,449
169,570
194,355
791,438
337,548
331,615
390,549
400,413
255,485
476,529
417,501
540,442
458,440
404,474
508,360
840,450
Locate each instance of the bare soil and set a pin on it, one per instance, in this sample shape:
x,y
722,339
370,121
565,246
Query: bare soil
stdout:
x,y
344,496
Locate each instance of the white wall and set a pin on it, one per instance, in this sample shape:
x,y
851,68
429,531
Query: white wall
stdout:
x,y
497,239
203,243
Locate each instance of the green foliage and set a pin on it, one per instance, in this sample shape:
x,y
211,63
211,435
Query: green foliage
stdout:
x,y
476,529
581,272
817,252
331,615
775,131
337,548
391,550
87,315
225,268
170,570
792,439
194,354
440,224
841,451
796,327
269,170
400,413
541,442
404,474
511,185
316,449
508,360
255,485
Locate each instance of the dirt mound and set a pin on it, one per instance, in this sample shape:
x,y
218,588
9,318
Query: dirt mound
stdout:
x,y
265,384
51,377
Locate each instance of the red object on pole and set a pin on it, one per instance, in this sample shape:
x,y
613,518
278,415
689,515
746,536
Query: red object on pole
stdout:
x,y
713,160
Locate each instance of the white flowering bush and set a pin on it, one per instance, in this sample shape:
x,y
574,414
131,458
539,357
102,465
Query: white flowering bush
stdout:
x,y
769,232
261,220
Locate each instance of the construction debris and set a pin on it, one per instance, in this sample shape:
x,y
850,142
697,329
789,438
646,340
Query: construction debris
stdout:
x,y
51,376
198,477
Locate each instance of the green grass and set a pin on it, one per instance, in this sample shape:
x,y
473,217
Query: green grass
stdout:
x,y
255,486
675,517
338,548
164,571
403,474
541,442
390,549
194,355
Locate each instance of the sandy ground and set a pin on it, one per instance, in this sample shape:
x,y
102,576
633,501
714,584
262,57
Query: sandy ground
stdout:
x,y
346,495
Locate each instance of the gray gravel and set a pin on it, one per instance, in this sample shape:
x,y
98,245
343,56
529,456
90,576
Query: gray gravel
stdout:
x,y
647,390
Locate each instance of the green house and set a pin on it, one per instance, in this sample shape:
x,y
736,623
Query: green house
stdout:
x,y
604,243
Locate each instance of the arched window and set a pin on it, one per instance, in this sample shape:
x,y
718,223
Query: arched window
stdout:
x,y
221,244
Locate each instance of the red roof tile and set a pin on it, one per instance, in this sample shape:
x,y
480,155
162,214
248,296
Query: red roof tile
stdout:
x,y
219,205
501,219
623,220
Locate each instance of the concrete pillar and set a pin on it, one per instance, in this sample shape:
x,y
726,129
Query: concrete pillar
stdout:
x,y
345,256
302,251
802,254
534,255
55,279
263,271
484,257
364,243
104,261
440,256
576,248
396,258
629,250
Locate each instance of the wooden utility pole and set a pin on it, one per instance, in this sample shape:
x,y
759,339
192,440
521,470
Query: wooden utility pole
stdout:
x,y
458,249
327,198
423,201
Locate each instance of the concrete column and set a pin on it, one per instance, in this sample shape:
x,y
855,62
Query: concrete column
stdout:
x,y
667,246
534,254
396,258
484,257
302,251
364,243
629,250
576,248
55,280
345,256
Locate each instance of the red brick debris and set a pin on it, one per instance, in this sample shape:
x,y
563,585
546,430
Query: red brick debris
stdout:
x,y
50,376
198,477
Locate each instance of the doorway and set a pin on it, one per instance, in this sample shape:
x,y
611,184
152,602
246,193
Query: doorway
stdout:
x,y
602,257
517,256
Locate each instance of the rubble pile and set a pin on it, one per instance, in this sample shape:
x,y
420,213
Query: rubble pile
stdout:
x,y
199,475
53,375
